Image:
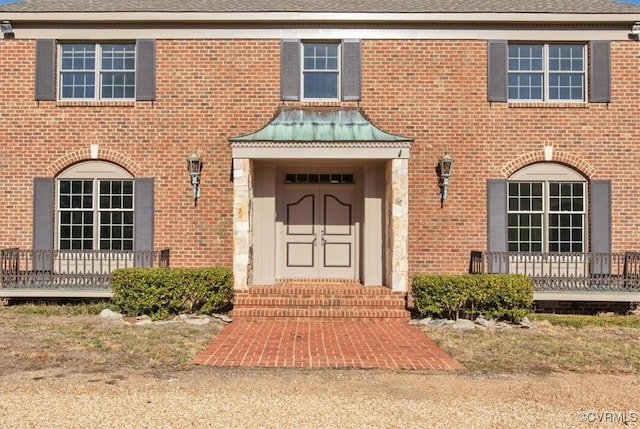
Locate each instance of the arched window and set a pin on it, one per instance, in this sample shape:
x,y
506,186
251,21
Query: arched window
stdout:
x,y
95,203
547,209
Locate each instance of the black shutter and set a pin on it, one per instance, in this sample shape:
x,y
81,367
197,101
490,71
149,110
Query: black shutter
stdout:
x,y
600,71
351,70
146,70
497,223
497,71
45,70
143,221
601,216
290,70
43,193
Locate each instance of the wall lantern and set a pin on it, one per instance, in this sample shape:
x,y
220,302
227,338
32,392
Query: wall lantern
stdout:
x,y
446,164
7,30
194,164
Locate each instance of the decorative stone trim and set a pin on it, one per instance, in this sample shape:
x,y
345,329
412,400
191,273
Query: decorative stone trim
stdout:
x,y
320,144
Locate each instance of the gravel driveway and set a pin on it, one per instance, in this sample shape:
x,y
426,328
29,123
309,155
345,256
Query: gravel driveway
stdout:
x,y
205,397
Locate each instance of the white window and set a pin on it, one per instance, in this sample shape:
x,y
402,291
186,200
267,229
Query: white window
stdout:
x,y
321,71
94,71
547,72
95,212
546,213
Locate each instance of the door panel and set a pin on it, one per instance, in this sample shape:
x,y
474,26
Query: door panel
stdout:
x,y
319,236
301,230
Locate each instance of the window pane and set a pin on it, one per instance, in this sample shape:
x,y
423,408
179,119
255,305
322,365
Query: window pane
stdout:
x,y
65,201
320,70
77,228
321,85
566,72
513,204
79,68
116,214
525,86
118,71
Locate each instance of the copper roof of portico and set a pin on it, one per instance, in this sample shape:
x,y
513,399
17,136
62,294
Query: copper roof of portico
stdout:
x,y
320,125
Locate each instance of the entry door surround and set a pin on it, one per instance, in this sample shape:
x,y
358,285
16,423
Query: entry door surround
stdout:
x,y
319,231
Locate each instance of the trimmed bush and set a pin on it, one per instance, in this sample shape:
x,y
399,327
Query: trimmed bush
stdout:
x,y
499,296
162,292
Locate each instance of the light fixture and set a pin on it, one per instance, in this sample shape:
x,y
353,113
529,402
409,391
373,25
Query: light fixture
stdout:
x,y
194,164
635,31
7,30
446,164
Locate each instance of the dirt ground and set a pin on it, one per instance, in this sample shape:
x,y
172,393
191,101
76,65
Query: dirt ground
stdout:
x,y
79,372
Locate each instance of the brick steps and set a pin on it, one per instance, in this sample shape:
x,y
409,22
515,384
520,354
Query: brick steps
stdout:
x,y
321,301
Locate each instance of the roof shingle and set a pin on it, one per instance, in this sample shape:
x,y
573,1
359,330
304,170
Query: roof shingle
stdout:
x,y
335,6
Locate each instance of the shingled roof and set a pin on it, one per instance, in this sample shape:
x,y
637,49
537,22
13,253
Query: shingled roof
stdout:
x,y
335,6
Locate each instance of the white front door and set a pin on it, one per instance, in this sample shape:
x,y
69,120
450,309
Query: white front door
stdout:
x,y
318,236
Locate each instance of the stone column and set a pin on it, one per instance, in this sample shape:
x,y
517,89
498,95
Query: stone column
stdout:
x,y
399,228
241,224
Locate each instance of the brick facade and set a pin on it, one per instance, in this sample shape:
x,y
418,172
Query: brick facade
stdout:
x,y
434,91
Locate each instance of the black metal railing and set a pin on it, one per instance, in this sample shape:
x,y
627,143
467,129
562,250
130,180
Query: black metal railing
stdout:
x,y
572,271
71,269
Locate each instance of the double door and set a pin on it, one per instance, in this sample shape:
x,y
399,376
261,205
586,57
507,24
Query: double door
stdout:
x,y
319,232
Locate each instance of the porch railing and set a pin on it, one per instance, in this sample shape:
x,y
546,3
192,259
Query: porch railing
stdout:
x,y
70,269
575,271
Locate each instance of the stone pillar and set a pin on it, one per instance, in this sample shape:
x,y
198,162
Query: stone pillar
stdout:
x,y
399,225
241,224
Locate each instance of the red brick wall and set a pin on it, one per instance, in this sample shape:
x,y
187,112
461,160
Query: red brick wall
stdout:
x,y
207,91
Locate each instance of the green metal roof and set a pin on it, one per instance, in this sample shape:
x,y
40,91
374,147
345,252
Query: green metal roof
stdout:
x,y
322,125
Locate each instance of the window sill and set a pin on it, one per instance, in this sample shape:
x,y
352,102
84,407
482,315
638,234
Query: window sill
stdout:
x,y
546,105
92,103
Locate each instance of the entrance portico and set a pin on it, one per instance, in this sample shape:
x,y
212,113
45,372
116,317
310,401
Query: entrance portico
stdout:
x,y
321,193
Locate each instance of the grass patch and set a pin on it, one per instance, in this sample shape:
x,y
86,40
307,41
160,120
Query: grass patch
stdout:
x,y
36,336
54,308
585,321
581,344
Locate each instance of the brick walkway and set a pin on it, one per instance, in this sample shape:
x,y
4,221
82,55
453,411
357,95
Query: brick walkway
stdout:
x,y
325,344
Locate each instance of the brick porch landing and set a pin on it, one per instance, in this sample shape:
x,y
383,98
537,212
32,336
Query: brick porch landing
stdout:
x,y
315,324
325,344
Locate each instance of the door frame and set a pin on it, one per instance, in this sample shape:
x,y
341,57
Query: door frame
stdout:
x,y
316,188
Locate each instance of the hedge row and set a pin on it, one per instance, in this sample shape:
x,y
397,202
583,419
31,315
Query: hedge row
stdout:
x,y
499,296
162,292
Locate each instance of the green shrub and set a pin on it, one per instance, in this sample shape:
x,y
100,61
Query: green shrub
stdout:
x,y
162,292
499,296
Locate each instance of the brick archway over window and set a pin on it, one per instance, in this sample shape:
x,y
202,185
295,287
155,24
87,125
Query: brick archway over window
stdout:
x,y
71,158
560,157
